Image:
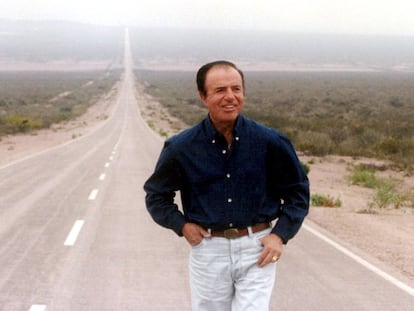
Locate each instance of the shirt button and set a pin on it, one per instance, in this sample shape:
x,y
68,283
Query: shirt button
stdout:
x,y
230,225
228,175
224,151
213,141
229,200
237,138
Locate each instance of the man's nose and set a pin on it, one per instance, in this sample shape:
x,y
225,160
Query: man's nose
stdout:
x,y
229,94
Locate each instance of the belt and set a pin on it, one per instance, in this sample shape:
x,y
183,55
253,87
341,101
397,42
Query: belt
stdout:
x,y
233,233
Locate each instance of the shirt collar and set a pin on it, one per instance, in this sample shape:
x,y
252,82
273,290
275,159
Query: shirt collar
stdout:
x,y
213,134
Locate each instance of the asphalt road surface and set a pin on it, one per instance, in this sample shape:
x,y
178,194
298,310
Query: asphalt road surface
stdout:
x,y
75,235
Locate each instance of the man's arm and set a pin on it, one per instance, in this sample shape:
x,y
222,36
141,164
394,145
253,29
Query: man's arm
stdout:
x,y
160,190
291,183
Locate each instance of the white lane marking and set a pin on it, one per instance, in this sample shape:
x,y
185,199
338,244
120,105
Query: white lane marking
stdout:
x,y
37,308
107,164
73,234
111,158
362,261
102,176
93,194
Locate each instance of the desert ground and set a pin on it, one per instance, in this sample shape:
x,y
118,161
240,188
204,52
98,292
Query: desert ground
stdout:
x,y
385,238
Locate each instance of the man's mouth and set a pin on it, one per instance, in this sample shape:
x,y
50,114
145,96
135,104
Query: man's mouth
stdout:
x,y
229,107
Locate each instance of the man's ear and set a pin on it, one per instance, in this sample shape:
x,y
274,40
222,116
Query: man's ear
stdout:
x,y
202,97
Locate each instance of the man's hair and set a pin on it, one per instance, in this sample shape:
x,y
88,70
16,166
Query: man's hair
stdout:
x,y
202,73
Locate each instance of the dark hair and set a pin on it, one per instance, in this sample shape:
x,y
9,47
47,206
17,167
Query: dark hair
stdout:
x,y
202,73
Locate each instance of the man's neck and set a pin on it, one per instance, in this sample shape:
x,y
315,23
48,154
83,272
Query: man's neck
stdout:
x,y
225,129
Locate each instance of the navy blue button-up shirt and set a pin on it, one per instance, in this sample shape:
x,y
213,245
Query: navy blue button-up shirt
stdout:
x,y
257,179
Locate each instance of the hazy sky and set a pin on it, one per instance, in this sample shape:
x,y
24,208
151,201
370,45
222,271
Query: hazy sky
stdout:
x,y
338,16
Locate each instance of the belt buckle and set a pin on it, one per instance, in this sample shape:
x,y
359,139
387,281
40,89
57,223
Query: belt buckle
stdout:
x,y
231,233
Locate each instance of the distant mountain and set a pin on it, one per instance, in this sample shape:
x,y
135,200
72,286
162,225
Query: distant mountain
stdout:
x,y
41,41
383,52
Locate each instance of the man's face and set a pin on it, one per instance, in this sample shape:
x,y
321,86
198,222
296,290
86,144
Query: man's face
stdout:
x,y
225,94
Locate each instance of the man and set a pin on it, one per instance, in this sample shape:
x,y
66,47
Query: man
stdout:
x,y
235,177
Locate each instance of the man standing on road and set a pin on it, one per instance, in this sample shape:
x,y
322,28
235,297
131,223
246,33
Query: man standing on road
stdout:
x,y
235,177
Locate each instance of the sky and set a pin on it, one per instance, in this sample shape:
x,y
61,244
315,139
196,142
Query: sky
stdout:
x,y
393,17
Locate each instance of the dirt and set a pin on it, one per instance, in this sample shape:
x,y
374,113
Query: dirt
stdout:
x,y
384,235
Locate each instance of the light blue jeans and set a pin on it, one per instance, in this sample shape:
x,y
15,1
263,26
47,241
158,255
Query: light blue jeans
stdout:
x,y
224,275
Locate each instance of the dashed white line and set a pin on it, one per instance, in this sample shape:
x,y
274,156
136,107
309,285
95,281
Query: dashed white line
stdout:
x,y
93,194
73,234
102,176
362,261
107,164
111,158
37,308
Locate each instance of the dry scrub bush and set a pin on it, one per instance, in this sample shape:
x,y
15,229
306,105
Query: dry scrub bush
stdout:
x,y
351,114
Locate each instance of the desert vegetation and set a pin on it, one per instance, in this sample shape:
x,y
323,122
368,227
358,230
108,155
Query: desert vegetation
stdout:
x,y
352,114
325,200
388,192
34,100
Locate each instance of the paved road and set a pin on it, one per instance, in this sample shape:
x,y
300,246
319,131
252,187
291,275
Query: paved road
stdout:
x,y
75,235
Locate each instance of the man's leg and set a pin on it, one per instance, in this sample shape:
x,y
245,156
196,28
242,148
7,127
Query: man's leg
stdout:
x,y
210,276
253,285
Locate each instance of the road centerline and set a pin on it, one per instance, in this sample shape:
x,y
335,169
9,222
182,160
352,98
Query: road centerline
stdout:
x,y
93,194
37,308
74,233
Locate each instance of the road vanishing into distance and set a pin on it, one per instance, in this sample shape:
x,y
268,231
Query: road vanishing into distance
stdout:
x,y
75,235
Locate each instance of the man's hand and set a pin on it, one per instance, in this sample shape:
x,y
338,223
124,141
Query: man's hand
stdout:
x,y
194,233
272,249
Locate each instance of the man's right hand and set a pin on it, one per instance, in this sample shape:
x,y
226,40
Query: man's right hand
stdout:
x,y
194,233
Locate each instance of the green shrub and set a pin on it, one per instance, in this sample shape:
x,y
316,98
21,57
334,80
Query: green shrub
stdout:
x,y
363,176
17,123
411,198
325,201
386,195
311,148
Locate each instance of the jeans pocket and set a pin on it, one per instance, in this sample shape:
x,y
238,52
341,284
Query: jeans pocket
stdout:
x,y
261,234
199,245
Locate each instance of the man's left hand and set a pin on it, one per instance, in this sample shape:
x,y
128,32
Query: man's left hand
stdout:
x,y
272,249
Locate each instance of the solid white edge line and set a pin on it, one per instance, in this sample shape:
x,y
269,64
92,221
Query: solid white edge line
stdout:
x,y
73,234
37,308
93,194
362,261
